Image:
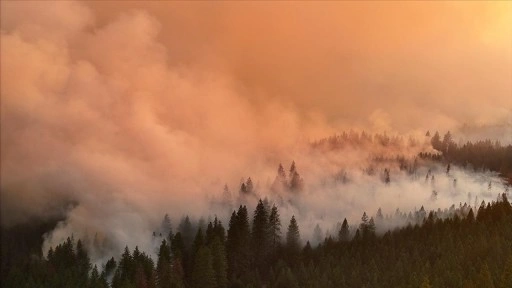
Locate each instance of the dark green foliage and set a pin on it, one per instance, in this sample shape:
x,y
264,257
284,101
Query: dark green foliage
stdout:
x,y
203,275
458,250
220,262
238,243
296,182
261,236
293,245
166,228
344,233
480,155
367,227
275,228
163,266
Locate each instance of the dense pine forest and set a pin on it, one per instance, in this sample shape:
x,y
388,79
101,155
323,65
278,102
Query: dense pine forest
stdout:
x,y
255,144
463,246
466,249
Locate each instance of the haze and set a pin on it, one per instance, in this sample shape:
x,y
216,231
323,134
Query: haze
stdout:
x,y
145,107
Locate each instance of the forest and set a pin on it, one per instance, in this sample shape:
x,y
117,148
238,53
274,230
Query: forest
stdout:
x,y
225,144
465,246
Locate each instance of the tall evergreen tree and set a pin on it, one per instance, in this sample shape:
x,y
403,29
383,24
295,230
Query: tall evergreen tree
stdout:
x,y
83,263
280,182
344,233
220,265
275,228
249,186
166,228
293,240
506,276
187,232
296,182
436,142
203,275
260,235
163,267
484,278
238,242
199,240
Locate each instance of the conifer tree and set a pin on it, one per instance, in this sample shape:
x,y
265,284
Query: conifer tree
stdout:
x,y
163,267
220,265
166,228
203,275
249,186
506,275
260,235
293,240
275,228
344,233
280,182
484,278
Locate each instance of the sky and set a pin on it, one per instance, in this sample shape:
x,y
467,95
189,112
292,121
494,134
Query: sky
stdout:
x,y
148,105
367,64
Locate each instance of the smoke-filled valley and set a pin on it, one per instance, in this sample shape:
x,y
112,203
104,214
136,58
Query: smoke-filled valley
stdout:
x,y
196,132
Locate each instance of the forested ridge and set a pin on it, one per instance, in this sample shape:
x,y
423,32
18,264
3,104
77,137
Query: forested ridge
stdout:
x,y
479,155
461,246
464,249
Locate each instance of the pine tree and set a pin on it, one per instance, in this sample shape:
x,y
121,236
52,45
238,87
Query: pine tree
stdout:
x,y
293,241
425,283
83,262
243,189
244,249
506,276
447,141
364,221
219,230
210,234
163,267
292,170
198,240
220,265
344,233
484,279
280,182
238,242
187,232
371,227
436,142
226,196
296,182
249,186
110,266
260,235
232,244
126,266
387,178
166,228
367,226
203,275
275,228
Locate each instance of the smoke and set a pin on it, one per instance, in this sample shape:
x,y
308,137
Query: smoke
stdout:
x,y
132,112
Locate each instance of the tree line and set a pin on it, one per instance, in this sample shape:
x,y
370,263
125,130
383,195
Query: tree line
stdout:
x,y
479,155
464,249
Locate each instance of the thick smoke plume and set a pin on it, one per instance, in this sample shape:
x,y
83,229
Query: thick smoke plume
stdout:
x,y
134,112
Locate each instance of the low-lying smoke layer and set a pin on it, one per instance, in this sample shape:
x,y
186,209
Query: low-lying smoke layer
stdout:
x,y
139,111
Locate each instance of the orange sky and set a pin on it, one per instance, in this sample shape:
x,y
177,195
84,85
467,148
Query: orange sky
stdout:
x,y
120,97
151,107
348,60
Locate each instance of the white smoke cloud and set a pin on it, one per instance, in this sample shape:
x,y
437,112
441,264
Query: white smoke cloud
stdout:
x,y
103,116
